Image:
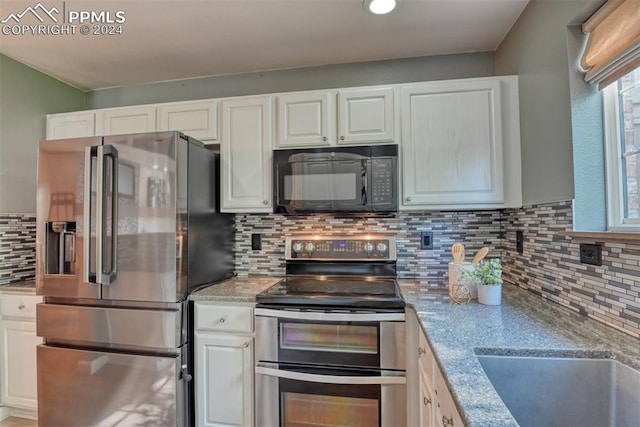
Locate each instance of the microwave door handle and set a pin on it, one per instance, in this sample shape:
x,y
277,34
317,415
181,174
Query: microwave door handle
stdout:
x,y
365,181
88,275
363,196
109,151
329,379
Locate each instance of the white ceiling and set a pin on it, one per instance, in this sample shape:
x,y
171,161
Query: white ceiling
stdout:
x,y
178,39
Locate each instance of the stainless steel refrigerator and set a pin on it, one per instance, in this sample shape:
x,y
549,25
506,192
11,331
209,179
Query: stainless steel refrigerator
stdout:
x,y
127,227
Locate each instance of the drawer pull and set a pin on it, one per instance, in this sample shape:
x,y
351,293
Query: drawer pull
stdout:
x,y
21,306
447,421
421,351
426,401
246,345
222,320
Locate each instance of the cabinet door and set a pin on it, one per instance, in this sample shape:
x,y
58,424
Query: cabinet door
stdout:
x,y
19,379
197,119
118,121
224,379
245,154
306,119
366,116
426,363
452,143
446,413
73,125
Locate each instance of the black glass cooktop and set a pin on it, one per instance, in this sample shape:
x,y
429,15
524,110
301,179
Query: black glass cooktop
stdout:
x,y
345,292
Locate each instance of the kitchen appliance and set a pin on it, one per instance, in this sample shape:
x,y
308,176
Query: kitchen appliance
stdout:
x,y
330,337
347,180
127,227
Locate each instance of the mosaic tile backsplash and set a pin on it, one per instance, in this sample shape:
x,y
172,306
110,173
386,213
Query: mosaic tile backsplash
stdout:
x,y
474,229
550,267
17,248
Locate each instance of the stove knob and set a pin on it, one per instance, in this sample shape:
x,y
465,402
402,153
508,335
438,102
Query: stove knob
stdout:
x,y
368,248
297,247
310,247
382,248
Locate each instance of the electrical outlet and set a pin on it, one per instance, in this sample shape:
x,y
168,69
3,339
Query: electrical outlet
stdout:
x,y
256,242
520,241
426,240
590,254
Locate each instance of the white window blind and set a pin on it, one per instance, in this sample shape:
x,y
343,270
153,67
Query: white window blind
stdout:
x,y
613,44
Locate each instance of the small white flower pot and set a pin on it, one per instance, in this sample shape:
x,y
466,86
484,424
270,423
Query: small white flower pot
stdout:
x,y
490,294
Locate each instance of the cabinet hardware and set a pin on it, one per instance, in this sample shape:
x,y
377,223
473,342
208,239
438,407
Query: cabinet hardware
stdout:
x,y
421,351
222,320
265,202
342,138
21,306
426,401
324,138
447,421
408,199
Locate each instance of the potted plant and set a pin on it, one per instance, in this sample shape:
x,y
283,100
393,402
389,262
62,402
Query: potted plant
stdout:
x,y
487,274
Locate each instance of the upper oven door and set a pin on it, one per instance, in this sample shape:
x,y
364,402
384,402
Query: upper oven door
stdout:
x,y
322,180
368,340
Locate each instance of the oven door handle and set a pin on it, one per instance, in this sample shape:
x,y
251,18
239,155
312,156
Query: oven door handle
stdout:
x,y
329,379
331,317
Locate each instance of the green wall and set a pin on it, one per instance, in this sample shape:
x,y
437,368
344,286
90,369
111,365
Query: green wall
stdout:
x,y
441,67
26,97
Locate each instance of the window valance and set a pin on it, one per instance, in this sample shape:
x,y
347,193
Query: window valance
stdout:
x,y
613,44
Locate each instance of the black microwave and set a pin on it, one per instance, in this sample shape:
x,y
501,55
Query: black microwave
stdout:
x,y
345,180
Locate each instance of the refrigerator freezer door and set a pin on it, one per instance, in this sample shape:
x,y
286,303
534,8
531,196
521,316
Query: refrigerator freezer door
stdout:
x,y
90,388
66,180
127,328
147,218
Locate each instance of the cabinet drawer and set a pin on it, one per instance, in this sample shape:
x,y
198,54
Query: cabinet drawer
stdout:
x,y
223,318
23,306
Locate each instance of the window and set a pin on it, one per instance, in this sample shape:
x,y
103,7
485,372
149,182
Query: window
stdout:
x,y
622,127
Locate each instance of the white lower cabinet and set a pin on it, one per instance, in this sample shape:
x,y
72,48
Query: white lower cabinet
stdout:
x,y
224,368
18,353
430,403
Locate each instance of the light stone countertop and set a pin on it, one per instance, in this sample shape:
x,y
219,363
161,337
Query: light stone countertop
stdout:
x,y
27,286
525,324
236,289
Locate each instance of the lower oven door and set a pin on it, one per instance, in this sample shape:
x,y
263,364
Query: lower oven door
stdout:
x,y
289,395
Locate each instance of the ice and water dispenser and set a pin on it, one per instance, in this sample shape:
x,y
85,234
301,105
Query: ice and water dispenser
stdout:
x,y
60,247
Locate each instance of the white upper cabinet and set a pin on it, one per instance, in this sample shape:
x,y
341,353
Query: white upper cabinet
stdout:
x,y
461,144
198,119
327,118
71,125
306,119
118,121
246,154
366,115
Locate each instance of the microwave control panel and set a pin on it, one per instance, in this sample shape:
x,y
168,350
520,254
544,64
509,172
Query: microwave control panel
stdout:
x,y
382,181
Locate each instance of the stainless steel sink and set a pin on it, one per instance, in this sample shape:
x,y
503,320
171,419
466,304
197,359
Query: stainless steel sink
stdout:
x,y
554,391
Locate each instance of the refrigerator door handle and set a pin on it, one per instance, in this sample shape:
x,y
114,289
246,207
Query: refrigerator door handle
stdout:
x,y
107,151
89,154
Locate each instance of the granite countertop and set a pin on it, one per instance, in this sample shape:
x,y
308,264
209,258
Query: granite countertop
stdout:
x,y
26,286
236,289
525,324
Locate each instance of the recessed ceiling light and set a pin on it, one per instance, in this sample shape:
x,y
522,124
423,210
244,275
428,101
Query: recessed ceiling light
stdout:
x,y
379,7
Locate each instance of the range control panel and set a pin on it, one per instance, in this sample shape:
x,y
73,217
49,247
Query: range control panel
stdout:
x,y
346,248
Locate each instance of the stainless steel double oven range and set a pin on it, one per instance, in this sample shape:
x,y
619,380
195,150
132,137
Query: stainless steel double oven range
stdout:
x,y
330,337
